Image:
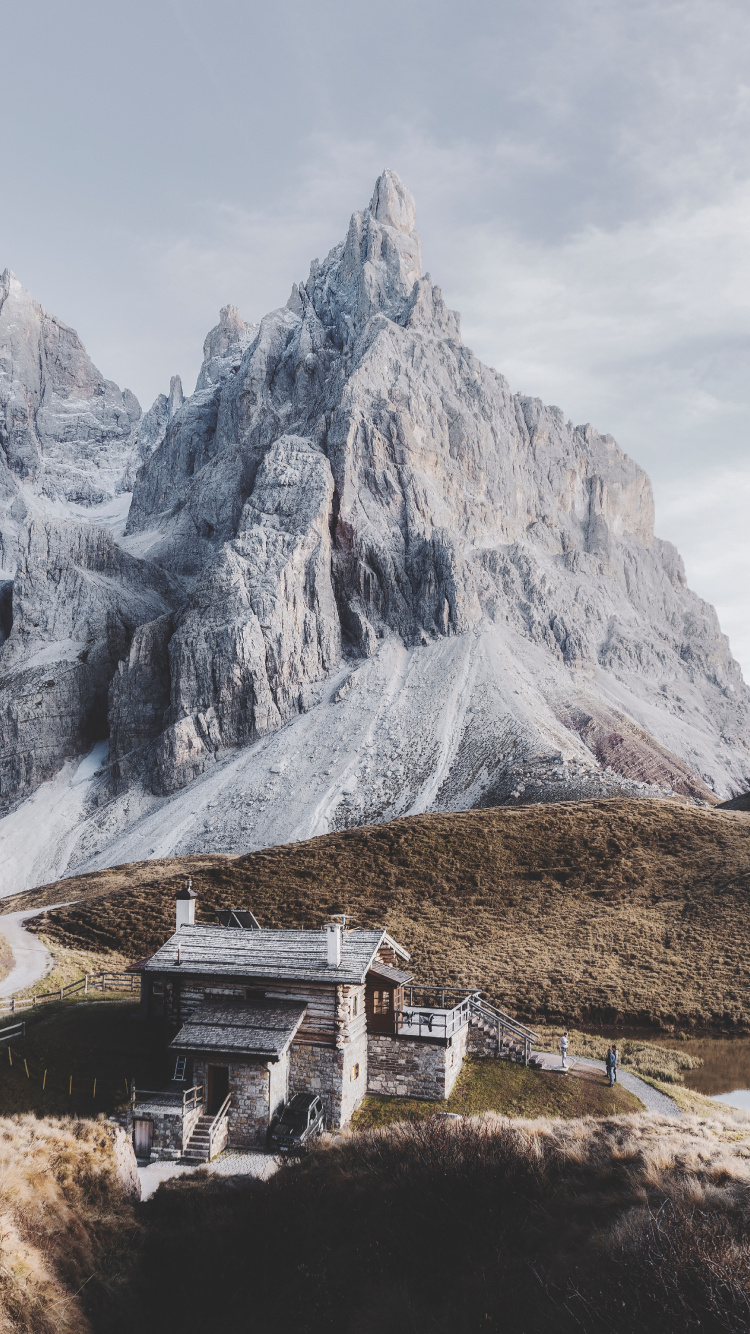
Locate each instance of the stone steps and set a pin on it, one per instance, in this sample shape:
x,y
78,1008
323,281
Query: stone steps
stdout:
x,y
198,1147
510,1049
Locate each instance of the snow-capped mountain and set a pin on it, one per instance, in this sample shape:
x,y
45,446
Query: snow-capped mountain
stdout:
x,y
359,578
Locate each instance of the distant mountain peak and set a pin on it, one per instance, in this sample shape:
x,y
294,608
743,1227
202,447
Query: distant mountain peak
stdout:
x,y
392,203
354,557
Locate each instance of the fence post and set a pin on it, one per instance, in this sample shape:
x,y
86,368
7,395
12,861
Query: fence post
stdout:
x,y
13,1005
61,993
86,985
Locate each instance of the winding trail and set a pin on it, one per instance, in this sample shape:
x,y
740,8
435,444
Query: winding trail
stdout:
x,y
652,1099
32,959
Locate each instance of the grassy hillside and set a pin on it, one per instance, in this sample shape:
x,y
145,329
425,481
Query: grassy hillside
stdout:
x,y
577,912
66,1229
78,1058
450,1228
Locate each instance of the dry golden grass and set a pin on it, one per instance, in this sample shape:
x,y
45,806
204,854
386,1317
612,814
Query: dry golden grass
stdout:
x,y
529,1227
66,1231
644,1058
632,911
69,965
6,958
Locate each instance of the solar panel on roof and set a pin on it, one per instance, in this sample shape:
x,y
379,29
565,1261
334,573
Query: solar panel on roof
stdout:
x,y
241,918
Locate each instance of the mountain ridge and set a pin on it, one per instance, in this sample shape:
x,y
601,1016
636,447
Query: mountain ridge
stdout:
x,y
372,566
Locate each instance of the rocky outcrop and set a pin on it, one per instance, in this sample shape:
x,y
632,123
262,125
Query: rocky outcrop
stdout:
x,y
369,546
77,598
261,624
64,428
453,504
69,597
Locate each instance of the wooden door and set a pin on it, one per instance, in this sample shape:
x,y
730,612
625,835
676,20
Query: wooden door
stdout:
x,y
379,1007
143,1137
218,1087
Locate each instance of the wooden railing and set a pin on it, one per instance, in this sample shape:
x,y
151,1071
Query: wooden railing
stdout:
x,y
13,1031
103,981
503,1024
439,1012
215,1126
192,1098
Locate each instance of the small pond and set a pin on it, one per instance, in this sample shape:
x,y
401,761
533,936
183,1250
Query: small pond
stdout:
x,y
725,1073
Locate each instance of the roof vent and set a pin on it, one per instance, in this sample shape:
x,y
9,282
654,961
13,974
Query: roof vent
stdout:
x,y
185,905
241,918
333,933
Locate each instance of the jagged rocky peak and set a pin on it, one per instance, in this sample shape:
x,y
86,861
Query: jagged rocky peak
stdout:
x,y
65,430
176,397
393,204
223,347
356,546
349,474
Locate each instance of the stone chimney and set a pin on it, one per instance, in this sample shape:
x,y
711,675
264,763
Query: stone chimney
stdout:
x,y
333,944
185,905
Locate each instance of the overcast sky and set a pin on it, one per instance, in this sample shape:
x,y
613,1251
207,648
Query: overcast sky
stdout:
x,y
582,177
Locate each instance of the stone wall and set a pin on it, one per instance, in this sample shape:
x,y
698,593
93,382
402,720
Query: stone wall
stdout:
x,y
167,1132
353,1088
401,1067
328,1071
278,1088
318,1070
258,1088
455,1058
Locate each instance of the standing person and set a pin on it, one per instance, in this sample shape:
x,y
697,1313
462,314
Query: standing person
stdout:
x,y
610,1062
615,1062
564,1048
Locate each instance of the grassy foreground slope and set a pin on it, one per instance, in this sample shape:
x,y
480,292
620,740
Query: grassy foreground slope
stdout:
x,y
602,910
67,1227
537,1227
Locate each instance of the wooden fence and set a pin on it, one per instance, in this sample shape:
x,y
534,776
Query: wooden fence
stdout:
x,y
92,982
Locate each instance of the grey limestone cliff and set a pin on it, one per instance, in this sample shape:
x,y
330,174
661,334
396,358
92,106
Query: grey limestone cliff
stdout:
x,y
353,521
451,503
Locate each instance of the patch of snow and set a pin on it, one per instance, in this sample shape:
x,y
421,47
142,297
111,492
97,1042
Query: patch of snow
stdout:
x,y
38,838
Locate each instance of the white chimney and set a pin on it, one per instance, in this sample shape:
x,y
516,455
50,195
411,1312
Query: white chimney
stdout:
x,y
333,944
185,905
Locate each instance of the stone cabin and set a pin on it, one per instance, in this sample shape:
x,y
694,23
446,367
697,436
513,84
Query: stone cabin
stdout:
x,y
259,1015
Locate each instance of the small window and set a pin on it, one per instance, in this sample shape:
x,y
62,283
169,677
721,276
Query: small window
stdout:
x,y
354,1072
355,1005
381,1002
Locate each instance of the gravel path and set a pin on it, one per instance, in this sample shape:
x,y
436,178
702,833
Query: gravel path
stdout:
x,y
31,959
231,1163
652,1100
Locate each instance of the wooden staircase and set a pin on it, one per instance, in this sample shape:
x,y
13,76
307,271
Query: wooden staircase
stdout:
x,y
504,1037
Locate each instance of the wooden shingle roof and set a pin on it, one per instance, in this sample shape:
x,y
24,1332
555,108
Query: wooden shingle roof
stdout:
x,y
241,1028
292,955
386,970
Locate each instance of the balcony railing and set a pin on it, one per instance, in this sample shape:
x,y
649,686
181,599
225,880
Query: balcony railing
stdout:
x,y
440,1012
427,1020
182,1102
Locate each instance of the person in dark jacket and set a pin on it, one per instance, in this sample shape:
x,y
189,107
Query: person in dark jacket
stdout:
x,y
616,1062
611,1064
